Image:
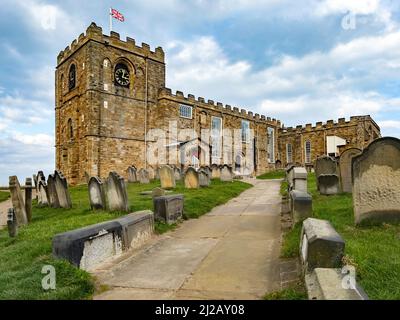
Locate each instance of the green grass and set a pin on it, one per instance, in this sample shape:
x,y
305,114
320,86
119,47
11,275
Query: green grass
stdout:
x,y
374,250
295,292
22,258
276,174
4,196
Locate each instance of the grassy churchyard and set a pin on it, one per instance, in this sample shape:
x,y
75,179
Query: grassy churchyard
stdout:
x,y
373,250
4,196
275,174
22,257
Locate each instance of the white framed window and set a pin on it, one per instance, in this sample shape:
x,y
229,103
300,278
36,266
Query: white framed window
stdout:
x,y
185,111
307,150
271,145
245,131
216,136
289,153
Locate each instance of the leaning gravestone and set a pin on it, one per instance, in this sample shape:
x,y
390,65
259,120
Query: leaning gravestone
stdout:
x,y
177,174
143,176
52,191
42,194
117,198
191,178
215,171
28,198
167,177
63,195
226,173
12,224
132,174
18,200
96,194
376,182
204,180
345,168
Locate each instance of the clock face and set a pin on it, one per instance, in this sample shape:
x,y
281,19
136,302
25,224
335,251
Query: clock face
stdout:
x,y
122,76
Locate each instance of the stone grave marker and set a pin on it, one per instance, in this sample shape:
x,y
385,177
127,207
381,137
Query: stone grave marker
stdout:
x,y
204,180
28,198
52,191
157,192
17,200
226,173
167,177
42,194
300,179
168,209
132,177
328,184
12,223
143,176
151,172
376,182
215,171
177,174
191,178
325,165
345,168
117,198
61,186
97,195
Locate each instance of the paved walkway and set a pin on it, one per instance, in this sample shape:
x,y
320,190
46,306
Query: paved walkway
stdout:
x,y
230,253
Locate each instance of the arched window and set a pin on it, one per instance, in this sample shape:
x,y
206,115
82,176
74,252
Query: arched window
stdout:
x,y
289,153
308,151
72,77
70,129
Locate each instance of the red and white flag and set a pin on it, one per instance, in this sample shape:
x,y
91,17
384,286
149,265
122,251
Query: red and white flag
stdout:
x,y
117,15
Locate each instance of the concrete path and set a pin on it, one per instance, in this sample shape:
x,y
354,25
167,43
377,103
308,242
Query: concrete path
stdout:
x,y
230,253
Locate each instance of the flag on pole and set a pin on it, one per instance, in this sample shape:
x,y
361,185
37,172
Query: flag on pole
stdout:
x,y
117,15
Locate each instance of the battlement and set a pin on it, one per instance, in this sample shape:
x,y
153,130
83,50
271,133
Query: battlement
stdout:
x,y
179,97
95,33
341,122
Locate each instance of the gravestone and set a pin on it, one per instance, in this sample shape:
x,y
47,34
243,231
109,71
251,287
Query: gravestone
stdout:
x,y
328,184
42,194
35,181
167,178
345,168
117,198
52,191
204,180
40,177
28,198
143,176
191,178
150,170
168,209
300,179
157,192
177,174
226,173
17,200
96,194
215,171
61,185
325,165
132,174
12,223
208,171
157,173
320,245
376,182
301,205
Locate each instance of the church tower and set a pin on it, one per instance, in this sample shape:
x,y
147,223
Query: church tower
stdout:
x,y
105,89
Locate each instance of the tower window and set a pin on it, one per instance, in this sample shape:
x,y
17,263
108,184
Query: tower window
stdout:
x,y
245,131
308,151
70,129
271,145
72,77
185,111
289,153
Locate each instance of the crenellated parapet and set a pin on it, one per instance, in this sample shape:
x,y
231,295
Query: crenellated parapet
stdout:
x,y
179,97
95,33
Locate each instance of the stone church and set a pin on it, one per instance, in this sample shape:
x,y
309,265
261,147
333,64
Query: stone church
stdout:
x,y
112,106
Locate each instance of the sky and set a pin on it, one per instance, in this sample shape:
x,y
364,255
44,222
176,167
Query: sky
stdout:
x,y
298,61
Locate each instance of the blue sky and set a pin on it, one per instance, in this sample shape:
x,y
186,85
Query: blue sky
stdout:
x,y
298,61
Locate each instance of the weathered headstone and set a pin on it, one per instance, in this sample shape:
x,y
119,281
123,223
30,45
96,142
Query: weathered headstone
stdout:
x,y
157,173
12,223
204,180
42,194
376,182
345,168
300,179
167,178
157,192
143,176
168,209
226,173
301,205
328,184
17,201
28,198
132,177
177,174
325,165
320,245
191,178
96,194
52,191
117,198
151,172
61,184
215,171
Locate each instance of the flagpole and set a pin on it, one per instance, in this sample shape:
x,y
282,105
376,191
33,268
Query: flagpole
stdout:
x,y
110,20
